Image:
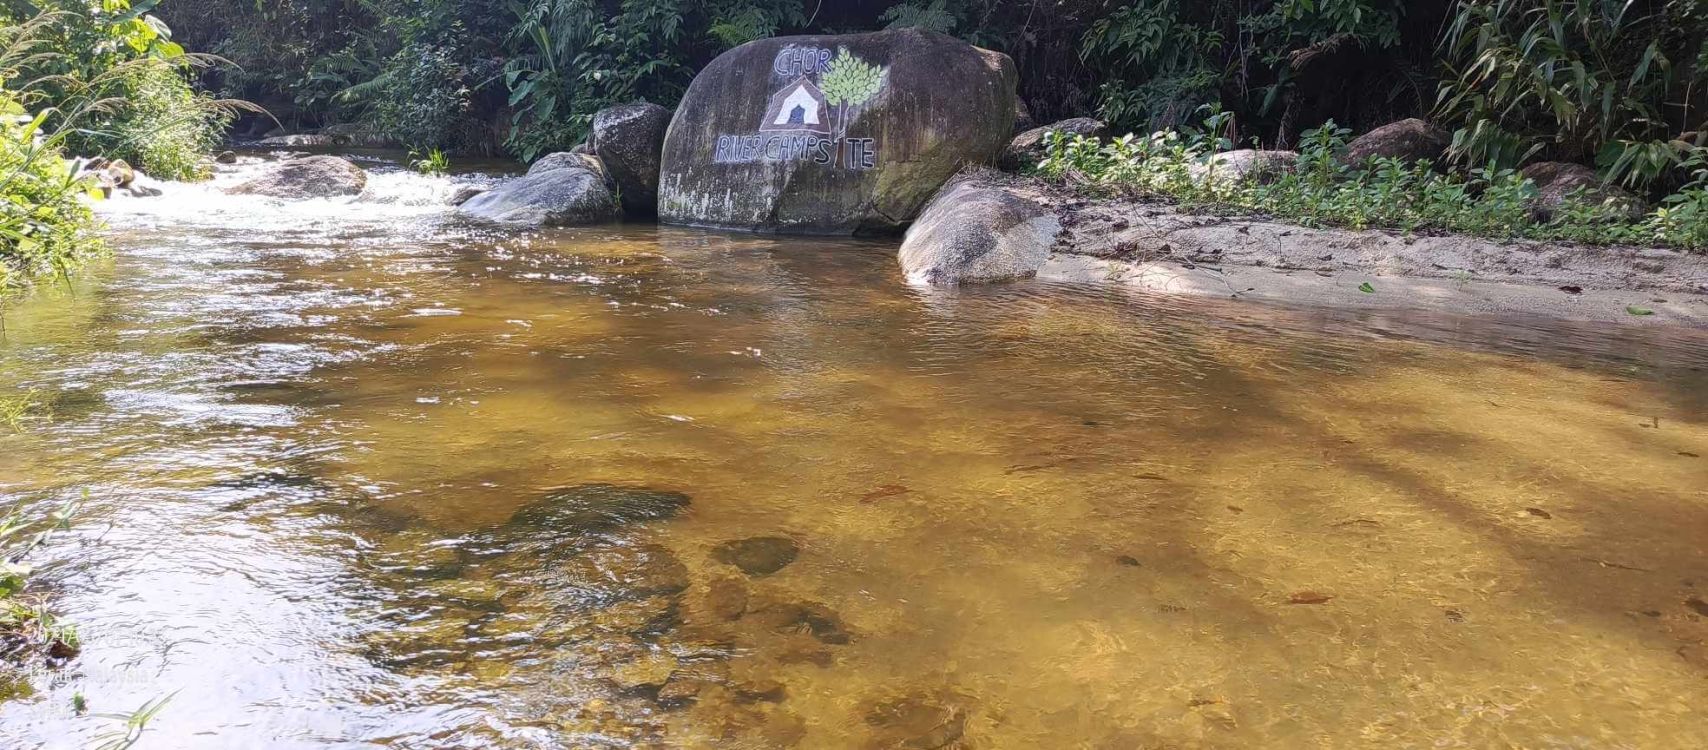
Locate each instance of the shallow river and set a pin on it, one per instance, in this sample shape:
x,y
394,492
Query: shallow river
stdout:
x,y
360,476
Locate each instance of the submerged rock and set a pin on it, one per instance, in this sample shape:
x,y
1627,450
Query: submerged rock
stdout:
x,y
624,571
726,598
1027,149
598,507
630,140
832,134
786,616
1409,140
307,177
974,233
464,194
758,556
560,190
917,722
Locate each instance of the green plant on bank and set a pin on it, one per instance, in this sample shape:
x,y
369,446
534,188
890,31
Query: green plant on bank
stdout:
x,y
117,54
1576,80
1322,190
434,162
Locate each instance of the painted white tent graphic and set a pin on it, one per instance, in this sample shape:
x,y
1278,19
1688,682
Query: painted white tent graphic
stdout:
x,y
798,107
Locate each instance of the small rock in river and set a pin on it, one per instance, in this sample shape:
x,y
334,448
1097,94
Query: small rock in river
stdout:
x,y
916,722
816,619
760,555
726,598
1128,560
650,671
1696,603
598,507
624,571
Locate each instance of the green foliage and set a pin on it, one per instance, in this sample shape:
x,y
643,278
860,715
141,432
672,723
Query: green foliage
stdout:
x,y
423,99
1321,190
1576,80
1164,58
434,162
934,16
117,85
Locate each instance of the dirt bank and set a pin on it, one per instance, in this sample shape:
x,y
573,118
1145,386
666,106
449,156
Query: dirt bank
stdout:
x,y
1162,247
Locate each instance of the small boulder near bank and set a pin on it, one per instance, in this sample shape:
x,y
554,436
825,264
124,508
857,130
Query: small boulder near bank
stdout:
x,y
630,140
832,134
1409,140
1027,149
1231,168
307,177
1558,185
560,190
975,232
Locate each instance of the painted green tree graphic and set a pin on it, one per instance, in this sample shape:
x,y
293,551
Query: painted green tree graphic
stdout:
x,y
850,83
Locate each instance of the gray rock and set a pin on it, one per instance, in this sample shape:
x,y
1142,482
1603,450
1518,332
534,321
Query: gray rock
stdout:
x,y
1231,168
1558,185
1027,149
975,232
1023,116
226,157
598,507
307,177
630,140
463,194
758,556
567,160
560,190
1408,140
300,140
832,134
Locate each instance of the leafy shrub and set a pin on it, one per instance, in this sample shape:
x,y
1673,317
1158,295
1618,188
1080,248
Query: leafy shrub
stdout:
x,y
162,126
424,99
1576,80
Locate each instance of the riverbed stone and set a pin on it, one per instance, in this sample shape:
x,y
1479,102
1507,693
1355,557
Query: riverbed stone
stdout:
x,y
832,134
561,190
1558,185
978,233
1028,148
629,138
816,619
590,508
1409,140
307,177
624,571
726,598
916,722
758,556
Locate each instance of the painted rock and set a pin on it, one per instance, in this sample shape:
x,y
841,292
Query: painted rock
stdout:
x,y
833,134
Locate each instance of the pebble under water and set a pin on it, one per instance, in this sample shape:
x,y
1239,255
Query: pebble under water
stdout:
x,y
358,475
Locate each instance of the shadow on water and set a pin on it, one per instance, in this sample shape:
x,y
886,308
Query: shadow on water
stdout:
x,y
384,479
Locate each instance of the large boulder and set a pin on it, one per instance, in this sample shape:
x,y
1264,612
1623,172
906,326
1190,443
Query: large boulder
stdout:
x,y
1027,149
832,134
560,190
1409,140
975,232
1560,184
630,139
307,177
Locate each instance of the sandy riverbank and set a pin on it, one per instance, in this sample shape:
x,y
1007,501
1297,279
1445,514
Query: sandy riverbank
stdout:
x,y
1160,247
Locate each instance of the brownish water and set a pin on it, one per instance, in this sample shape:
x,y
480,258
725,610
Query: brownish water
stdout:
x,y
346,465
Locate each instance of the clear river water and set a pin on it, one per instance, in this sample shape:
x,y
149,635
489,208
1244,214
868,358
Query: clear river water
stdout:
x,y
357,475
